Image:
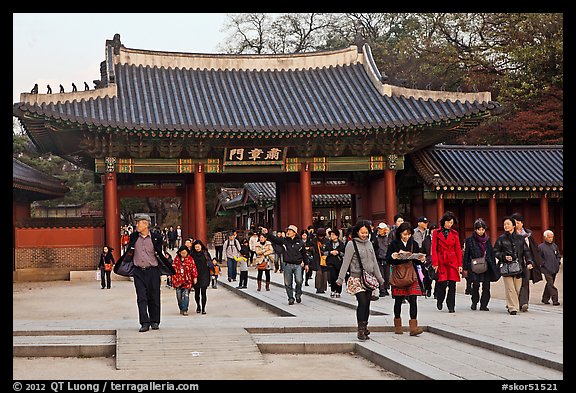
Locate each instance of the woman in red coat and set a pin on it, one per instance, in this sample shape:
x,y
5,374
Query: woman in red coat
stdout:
x,y
446,260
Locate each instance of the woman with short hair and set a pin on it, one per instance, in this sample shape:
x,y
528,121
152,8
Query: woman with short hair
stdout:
x,y
508,247
446,260
476,246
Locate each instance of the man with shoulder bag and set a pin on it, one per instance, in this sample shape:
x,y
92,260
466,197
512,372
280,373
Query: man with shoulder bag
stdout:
x,y
144,252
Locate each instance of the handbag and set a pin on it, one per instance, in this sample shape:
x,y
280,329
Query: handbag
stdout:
x,y
125,267
508,269
264,264
512,268
322,257
108,267
403,275
479,265
369,280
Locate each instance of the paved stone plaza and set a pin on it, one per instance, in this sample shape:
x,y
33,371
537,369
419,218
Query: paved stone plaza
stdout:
x,y
251,328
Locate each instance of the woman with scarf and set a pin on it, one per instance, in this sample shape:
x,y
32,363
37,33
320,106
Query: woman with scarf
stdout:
x,y
204,263
476,246
264,260
334,251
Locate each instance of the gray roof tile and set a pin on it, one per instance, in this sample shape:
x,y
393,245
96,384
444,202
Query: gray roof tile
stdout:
x,y
492,166
195,100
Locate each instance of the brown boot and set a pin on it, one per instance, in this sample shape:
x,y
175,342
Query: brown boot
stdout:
x,y
398,326
361,333
267,285
366,331
259,285
414,329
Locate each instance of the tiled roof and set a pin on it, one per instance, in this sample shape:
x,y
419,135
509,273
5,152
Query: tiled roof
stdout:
x,y
343,96
492,166
251,192
26,178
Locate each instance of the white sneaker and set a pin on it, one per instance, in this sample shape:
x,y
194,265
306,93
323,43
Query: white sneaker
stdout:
x,y
332,294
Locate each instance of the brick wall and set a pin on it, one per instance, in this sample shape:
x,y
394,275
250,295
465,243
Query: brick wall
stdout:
x,y
70,258
38,246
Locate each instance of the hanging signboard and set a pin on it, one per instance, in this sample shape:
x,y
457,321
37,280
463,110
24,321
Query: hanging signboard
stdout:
x,y
254,156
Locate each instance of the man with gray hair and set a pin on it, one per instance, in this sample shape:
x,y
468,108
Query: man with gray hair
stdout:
x,y
145,250
550,267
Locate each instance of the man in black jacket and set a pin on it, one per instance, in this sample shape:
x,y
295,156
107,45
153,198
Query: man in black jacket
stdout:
x,y
294,260
145,249
530,272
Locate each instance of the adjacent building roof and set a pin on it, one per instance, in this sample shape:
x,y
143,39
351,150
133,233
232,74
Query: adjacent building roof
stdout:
x,y
216,94
38,185
265,193
517,167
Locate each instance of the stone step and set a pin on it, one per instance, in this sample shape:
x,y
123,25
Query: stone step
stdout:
x,y
427,356
185,346
64,344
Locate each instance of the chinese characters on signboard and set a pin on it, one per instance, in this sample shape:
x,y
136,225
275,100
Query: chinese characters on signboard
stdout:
x,y
254,156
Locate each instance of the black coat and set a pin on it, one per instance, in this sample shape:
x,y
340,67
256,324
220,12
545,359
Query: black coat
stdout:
x,y
472,250
334,260
535,272
412,246
513,245
106,258
295,248
202,260
315,252
164,264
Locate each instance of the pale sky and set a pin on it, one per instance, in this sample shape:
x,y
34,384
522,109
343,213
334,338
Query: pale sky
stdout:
x,y
66,48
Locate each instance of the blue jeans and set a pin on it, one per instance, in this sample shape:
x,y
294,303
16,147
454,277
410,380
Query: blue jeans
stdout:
x,y
183,298
293,271
231,268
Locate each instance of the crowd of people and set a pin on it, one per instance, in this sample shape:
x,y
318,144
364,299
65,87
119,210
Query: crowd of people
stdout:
x,y
404,260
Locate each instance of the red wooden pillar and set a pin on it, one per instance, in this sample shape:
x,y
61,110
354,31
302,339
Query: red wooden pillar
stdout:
x,y
544,213
377,203
112,211
184,213
190,209
390,195
200,203
293,209
493,217
306,195
440,208
278,207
